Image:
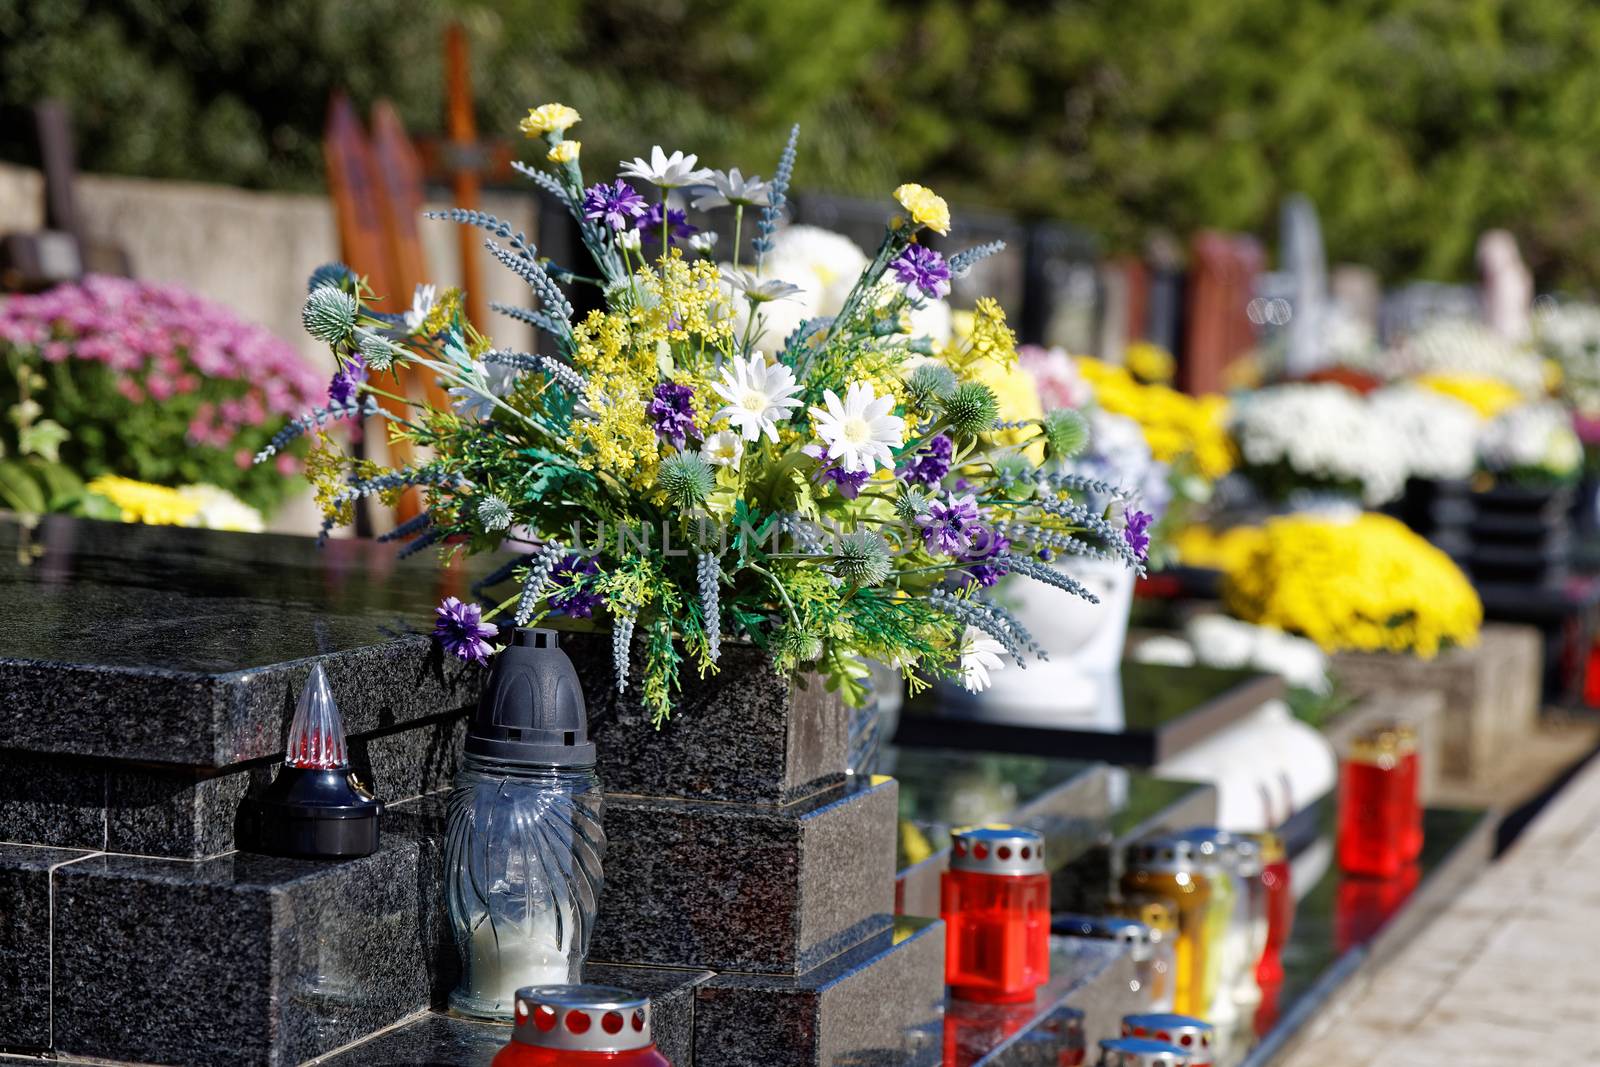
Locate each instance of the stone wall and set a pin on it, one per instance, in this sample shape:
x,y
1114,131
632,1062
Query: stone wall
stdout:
x,y
252,251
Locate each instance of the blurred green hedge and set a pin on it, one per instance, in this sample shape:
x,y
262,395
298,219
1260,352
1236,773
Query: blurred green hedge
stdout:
x,y
1413,124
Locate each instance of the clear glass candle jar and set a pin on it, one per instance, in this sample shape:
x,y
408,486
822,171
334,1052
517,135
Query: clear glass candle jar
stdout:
x,y
1167,871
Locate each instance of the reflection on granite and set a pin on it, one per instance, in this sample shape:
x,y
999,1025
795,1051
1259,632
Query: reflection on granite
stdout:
x,y
876,1005
743,734
257,959
25,942
1152,712
191,645
750,887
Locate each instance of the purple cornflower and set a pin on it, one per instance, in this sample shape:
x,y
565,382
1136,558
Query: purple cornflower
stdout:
x,y
671,413
677,224
922,267
570,597
1134,529
981,560
615,203
352,374
849,482
461,630
949,528
931,464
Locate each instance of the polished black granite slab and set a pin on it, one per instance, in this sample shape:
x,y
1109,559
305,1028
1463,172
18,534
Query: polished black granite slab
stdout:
x,y
746,887
25,943
190,646
877,1005
240,959
1143,715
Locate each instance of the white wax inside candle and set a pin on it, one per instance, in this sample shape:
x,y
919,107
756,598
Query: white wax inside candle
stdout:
x,y
506,958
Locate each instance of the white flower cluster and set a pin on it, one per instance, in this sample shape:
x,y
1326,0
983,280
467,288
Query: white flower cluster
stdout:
x,y
1435,435
1460,346
823,266
1320,431
1570,335
1221,641
1531,438
221,510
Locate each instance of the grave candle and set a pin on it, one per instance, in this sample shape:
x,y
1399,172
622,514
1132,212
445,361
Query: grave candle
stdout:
x,y
1169,871
995,901
1373,809
1141,1052
576,1025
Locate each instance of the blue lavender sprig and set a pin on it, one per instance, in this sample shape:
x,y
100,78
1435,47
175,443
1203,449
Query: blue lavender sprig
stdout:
x,y
543,286
1001,626
415,524
1080,483
709,572
564,374
485,221
411,548
365,407
531,316
622,623
1040,571
538,576
1075,512
777,196
500,573
962,262
546,182
400,479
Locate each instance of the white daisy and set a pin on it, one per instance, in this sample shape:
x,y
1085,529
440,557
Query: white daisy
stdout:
x,y
723,449
666,172
757,395
761,290
733,188
860,432
704,241
422,301
980,654
630,240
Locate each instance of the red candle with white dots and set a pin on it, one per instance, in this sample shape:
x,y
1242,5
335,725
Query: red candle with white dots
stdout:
x,y
995,901
574,1025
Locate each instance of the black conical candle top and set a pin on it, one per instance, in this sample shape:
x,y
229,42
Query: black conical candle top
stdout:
x,y
532,709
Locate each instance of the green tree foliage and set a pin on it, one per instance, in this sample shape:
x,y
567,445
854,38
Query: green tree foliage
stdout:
x,y
1413,124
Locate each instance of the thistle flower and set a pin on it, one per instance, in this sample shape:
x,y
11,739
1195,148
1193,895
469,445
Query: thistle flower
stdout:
x,y
615,203
686,478
796,645
669,409
926,208
377,352
461,630
1014,473
664,171
1066,432
971,409
335,274
732,188
549,118
565,152
494,513
911,503
329,315
931,464
922,269
860,432
862,558
930,384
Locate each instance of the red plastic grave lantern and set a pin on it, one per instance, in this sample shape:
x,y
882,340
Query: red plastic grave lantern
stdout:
x,y
1374,810
577,1025
1196,1037
995,901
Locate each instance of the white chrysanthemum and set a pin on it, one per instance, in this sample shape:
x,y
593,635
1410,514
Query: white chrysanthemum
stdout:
x,y
422,301
1460,346
980,654
758,394
664,171
1533,437
1164,650
1322,432
1220,641
221,510
723,449
1570,335
861,432
1436,435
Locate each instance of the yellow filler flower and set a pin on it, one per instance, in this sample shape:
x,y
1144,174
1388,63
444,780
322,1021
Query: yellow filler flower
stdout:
x,y
927,207
565,152
549,118
144,502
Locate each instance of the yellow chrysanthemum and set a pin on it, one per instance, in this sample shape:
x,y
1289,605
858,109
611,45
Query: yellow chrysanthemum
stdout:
x,y
1150,362
565,152
549,118
1487,396
1174,423
927,207
1368,584
144,502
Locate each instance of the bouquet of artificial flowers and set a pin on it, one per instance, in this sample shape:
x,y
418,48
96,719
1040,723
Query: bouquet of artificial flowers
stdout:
x,y
848,496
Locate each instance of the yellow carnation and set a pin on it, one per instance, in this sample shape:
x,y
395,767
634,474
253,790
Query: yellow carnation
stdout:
x,y
144,502
549,118
927,207
565,152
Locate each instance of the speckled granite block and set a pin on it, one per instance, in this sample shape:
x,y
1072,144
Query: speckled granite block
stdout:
x,y
743,734
52,802
25,943
746,887
874,1005
256,960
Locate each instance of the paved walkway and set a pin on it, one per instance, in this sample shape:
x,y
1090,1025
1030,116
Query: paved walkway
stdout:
x,y
1509,973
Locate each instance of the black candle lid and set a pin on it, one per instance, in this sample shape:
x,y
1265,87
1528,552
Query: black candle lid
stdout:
x,y
532,709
